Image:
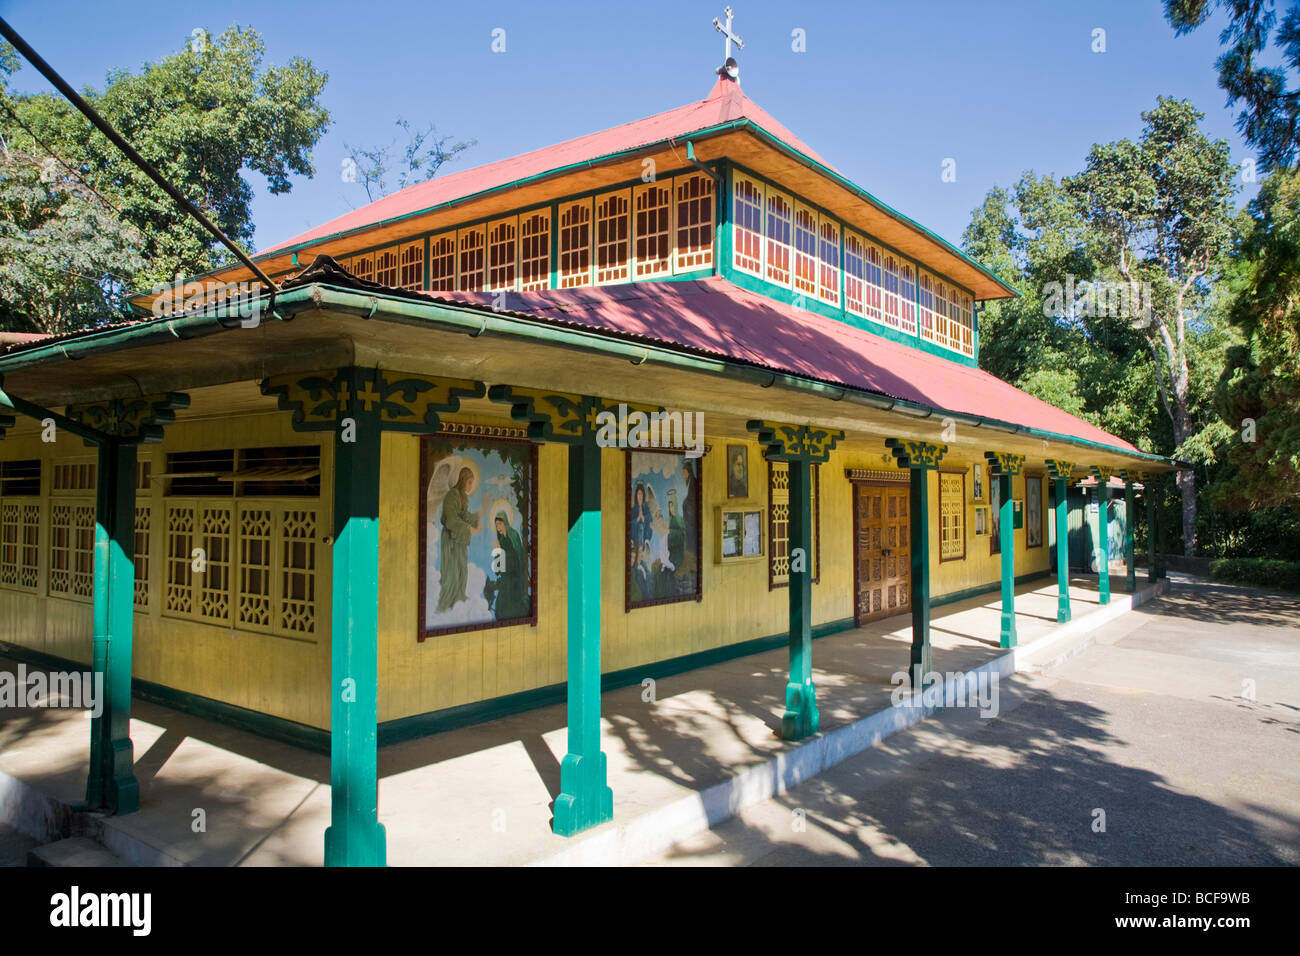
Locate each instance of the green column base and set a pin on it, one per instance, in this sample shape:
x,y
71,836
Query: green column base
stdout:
x,y
358,843
801,718
1008,637
1063,610
1103,591
922,661
585,799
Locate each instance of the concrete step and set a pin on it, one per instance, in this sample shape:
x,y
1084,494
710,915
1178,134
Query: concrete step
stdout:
x,y
73,851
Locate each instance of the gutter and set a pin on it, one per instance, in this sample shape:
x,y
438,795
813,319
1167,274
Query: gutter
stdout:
x,y
476,321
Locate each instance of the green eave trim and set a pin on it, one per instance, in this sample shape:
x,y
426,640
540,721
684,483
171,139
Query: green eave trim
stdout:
x,y
480,320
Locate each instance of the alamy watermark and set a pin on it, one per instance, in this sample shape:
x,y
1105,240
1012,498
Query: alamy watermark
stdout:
x,y
240,299
632,428
81,690
978,689
1086,299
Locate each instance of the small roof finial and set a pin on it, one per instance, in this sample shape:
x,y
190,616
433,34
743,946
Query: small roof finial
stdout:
x,y
729,68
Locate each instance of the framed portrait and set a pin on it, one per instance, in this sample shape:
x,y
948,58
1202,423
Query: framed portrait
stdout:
x,y
981,520
478,533
663,528
737,471
977,482
1033,512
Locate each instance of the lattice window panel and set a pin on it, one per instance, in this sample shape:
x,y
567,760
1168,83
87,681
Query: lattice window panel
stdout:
x,y
442,262
473,248
780,222
503,253
255,572
535,250
854,274
29,553
72,549
828,256
694,222
10,529
142,536
575,244
805,251
966,323
412,269
178,588
907,298
612,238
386,267
747,210
652,209
213,597
952,514
261,562
297,606
778,524
871,281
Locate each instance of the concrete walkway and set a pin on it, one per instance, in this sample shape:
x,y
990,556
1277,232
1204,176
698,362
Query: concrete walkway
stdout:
x,y
215,796
1176,730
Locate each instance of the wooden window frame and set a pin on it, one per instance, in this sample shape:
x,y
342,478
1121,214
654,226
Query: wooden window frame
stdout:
x,y
542,280
684,255
828,269
744,259
573,279
466,251
663,263
510,265
441,247
774,581
800,285
771,244
410,266
961,512
622,274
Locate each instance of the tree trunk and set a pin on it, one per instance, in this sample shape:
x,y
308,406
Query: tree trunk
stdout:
x,y
1187,488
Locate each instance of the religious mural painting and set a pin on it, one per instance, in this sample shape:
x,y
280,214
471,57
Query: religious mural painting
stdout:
x,y
663,528
1033,512
478,540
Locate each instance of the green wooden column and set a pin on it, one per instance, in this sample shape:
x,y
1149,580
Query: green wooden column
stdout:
x,y
356,406
1103,533
1130,569
1061,472
800,446
355,836
1004,466
111,783
920,458
1162,570
585,799
116,427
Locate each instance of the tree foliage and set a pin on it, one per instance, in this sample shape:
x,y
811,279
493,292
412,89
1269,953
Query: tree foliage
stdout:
x,y
423,155
205,116
1270,116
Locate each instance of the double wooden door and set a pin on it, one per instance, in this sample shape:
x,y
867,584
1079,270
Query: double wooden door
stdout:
x,y
881,550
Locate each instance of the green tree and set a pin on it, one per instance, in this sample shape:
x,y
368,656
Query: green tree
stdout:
x,y
1259,393
1161,213
1270,118
205,116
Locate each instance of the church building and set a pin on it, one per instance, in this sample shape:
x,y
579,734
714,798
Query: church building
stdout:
x,y
622,406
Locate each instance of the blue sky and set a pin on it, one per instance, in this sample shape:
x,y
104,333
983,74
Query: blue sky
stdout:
x,y
885,91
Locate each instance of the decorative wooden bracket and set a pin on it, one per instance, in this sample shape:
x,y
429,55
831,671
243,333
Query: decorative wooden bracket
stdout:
x,y
402,401
133,421
1057,469
1102,473
560,416
785,442
916,454
1004,463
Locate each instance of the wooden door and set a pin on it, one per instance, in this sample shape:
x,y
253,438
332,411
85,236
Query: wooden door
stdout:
x,y
881,550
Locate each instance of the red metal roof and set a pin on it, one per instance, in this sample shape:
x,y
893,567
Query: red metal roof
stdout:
x,y
724,104
716,317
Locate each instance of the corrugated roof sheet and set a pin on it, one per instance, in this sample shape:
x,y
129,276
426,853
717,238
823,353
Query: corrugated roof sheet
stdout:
x,y
716,317
724,103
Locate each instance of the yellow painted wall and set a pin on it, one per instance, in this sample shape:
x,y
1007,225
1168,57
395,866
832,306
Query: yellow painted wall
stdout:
x,y
289,677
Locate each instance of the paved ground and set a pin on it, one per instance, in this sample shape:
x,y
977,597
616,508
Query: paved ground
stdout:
x,y
1152,726
482,795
